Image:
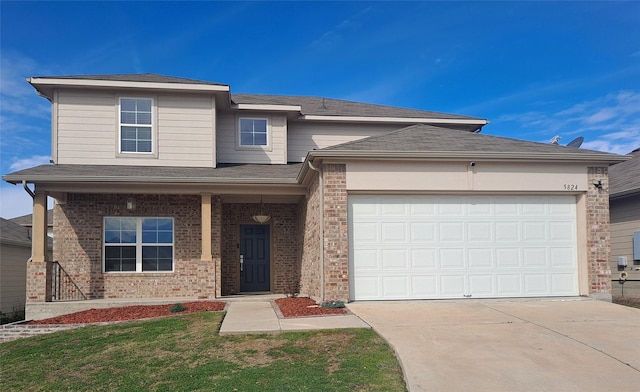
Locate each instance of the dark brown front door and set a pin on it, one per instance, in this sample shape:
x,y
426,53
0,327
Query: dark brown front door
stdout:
x,y
254,251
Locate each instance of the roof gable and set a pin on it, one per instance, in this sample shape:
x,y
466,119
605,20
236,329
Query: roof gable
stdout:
x,y
624,178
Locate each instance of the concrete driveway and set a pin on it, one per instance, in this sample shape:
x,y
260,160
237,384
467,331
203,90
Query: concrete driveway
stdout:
x,y
511,345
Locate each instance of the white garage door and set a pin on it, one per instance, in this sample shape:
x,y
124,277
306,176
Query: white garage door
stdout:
x,y
423,247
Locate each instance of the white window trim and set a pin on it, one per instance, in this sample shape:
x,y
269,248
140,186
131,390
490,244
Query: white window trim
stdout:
x,y
139,246
154,130
240,146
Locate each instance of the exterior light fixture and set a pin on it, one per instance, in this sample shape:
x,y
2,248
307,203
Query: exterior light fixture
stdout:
x,y
131,203
261,217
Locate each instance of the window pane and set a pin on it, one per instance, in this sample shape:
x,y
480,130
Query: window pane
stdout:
x,y
144,118
129,133
143,105
128,117
246,139
128,223
165,252
150,237
144,147
149,265
112,223
260,139
120,258
129,265
165,265
149,252
246,125
260,126
165,224
112,237
128,146
149,224
128,104
165,237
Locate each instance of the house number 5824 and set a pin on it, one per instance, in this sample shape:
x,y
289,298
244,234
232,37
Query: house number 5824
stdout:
x,y
570,187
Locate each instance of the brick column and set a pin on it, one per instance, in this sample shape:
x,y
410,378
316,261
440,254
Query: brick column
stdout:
x,y
336,240
598,235
215,281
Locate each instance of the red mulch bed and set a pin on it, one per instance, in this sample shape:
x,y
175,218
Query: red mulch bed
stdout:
x,y
304,307
129,313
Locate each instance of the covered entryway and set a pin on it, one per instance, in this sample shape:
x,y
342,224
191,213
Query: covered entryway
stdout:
x,y
254,258
439,246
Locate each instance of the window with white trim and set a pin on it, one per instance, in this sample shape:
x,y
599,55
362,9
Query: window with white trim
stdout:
x,y
136,125
253,132
138,244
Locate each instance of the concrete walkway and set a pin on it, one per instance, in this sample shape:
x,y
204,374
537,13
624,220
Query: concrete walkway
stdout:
x,y
260,317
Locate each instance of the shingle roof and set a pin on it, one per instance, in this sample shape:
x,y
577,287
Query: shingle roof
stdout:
x,y
624,178
147,77
337,107
27,220
14,233
427,138
245,173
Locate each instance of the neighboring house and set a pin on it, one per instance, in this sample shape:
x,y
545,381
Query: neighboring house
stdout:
x,y
171,187
624,203
27,221
15,250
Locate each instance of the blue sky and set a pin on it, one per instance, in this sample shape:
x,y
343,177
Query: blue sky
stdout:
x,y
534,69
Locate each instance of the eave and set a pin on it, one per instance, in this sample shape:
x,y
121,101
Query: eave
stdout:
x,y
399,120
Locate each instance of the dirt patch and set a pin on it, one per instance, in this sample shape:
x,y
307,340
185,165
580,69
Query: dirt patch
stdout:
x,y
304,307
129,313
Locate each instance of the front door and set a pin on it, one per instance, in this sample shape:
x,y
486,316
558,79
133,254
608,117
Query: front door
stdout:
x,y
254,258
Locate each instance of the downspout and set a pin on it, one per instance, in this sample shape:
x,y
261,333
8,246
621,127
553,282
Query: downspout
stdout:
x,y
29,191
321,190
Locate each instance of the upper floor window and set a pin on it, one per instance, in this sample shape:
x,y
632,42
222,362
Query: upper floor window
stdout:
x,y
136,125
253,132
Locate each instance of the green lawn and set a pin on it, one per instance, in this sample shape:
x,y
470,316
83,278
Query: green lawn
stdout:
x,y
186,353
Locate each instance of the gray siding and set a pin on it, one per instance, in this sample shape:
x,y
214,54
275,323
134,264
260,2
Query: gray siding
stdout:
x,y
625,220
13,276
87,129
304,137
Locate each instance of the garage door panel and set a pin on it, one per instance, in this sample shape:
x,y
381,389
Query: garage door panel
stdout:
x,y
563,283
395,286
366,259
424,286
480,258
395,259
452,286
451,231
481,285
393,232
423,258
509,285
452,259
536,284
365,232
508,258
479,231
421,247
533,231
508,231
422,232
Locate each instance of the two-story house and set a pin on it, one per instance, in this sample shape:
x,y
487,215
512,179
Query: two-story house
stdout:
x,y
171,187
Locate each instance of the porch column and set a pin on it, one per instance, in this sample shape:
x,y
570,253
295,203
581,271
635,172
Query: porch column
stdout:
x,y
39,270
39,233
206,228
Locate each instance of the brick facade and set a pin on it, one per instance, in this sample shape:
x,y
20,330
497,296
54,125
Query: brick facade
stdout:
x,y
309,222
285,272
78,233
336,239
598,234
